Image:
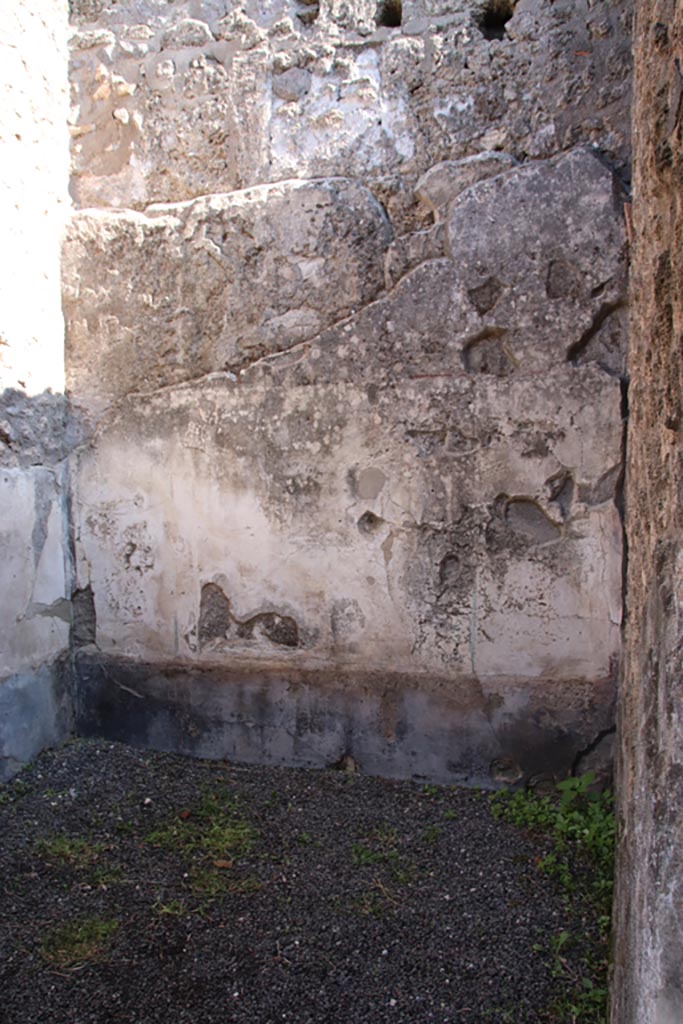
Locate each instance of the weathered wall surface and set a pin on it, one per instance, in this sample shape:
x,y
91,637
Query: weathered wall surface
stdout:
x,y
648,983
171,101
355,429
34,176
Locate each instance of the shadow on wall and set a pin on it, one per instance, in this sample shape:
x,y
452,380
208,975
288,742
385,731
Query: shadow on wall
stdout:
x,y
494,18
35,559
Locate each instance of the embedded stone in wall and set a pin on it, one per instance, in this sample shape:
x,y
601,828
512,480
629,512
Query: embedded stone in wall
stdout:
x,y
215,284
542,256
444,182
484,303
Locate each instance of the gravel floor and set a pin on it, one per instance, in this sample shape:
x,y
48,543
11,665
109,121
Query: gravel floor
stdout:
x,y
143,887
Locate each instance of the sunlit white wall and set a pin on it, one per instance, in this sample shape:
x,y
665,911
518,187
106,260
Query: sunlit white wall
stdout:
x,y
34,201
34,168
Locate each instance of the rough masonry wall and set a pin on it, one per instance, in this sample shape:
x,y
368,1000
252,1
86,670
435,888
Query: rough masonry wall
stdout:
x,y
34,178
648,982
171,101
346,326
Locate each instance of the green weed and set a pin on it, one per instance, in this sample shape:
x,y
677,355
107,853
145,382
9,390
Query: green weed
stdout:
x,y
108,874
580,823
79,942
174,908
364,855
584,981
210,836
213,884
73,850
432,834
21,787
370,904
381,850
385,835
213,829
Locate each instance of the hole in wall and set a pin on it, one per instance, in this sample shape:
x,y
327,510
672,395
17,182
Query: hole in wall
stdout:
x,y
505,770
526,517
563,280
449,570
486,295
369,523
279,629
309,12
215,617
389,13
494,18
486,353
83,617
560,489
217,622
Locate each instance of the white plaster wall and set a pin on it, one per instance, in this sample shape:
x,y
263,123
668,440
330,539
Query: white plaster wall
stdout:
x,y
33,579
34,164
167,503
34,169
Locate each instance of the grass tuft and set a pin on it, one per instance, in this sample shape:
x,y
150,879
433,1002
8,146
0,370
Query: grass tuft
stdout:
x,y
79,942
213,829
73,850
210,837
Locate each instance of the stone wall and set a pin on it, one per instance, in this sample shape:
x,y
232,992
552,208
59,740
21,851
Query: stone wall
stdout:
x,y
346,327
175,100
34,178
649,908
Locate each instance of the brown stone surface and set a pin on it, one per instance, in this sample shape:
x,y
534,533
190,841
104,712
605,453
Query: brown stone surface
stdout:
x,y
648,978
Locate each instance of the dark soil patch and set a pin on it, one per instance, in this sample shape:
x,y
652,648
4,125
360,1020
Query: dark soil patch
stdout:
x,y
140,887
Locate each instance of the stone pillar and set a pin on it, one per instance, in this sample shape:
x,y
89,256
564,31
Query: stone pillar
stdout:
x,y
648,975
34,620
